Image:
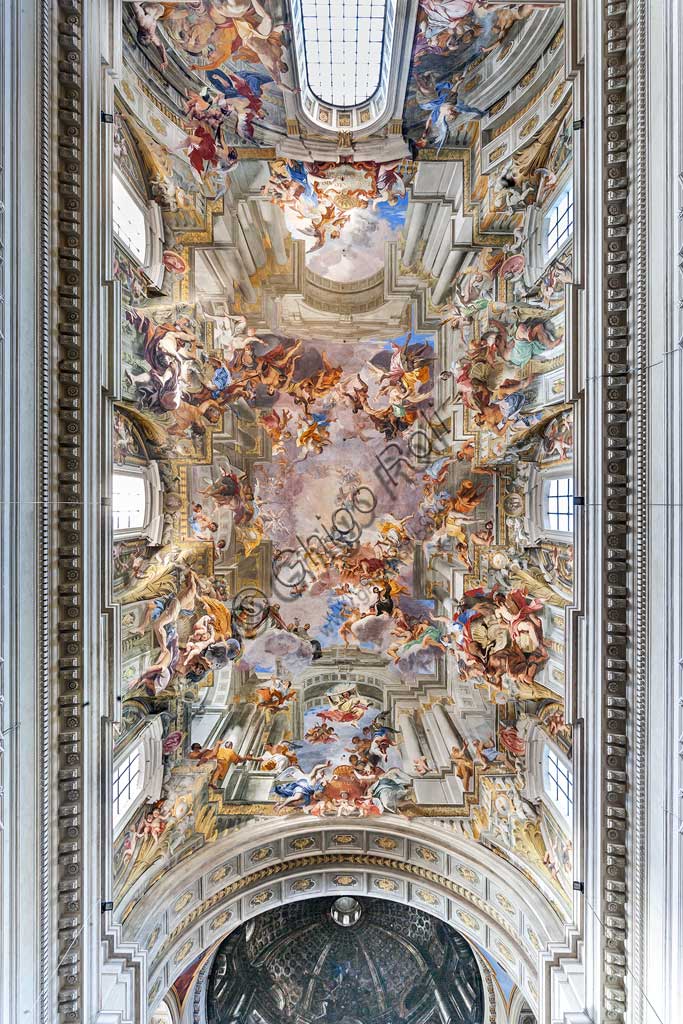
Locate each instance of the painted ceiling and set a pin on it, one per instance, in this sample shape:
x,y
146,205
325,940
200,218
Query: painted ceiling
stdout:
x,y
344,380
297,963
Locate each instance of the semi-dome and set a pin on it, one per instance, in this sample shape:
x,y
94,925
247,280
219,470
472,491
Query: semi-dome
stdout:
x,y
394,965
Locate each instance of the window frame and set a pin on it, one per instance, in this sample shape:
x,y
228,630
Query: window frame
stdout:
x,y
546,497
147,741
142,206
551,784
135,756
564,237
152,264
138,472
153,525
369,115
538,523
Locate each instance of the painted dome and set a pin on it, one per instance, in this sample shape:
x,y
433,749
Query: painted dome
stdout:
x,y
304,963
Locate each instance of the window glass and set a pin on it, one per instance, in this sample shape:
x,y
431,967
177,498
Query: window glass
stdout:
x,y
130,223
129,501
559,504
128,779
558,782
343,41
560,222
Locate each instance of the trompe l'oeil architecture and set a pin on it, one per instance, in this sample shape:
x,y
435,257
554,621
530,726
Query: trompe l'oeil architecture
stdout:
x,y
341,512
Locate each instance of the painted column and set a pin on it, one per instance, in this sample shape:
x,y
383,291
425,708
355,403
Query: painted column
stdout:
x,y
434,234
231,261
442,252
277,729
238,726
273,219
446,277
417,221
411,743
251,234
446,726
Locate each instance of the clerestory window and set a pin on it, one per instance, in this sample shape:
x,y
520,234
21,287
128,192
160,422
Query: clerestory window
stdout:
x,y
559,504
558,782
130,219
129,777
560,222
129,501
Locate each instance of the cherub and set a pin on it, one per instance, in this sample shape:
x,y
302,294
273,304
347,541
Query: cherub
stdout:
x,y
203,634
200,524
556,725
507,16
346,629
152,825
274,424
464,767
313,434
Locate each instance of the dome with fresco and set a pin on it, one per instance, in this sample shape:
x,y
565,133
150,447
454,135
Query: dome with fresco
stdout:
x,y
393,965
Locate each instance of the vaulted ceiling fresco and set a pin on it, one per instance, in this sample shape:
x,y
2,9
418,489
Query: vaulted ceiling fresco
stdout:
x,y
343,384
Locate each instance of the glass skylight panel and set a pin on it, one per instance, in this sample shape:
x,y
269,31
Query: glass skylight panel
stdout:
x,y
130,224
343,48
559,509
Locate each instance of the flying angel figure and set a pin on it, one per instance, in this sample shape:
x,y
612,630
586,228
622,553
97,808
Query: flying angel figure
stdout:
x,y
440,100
277,696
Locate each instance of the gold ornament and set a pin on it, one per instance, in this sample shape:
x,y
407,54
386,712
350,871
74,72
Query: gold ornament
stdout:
x,y
345,880
261,897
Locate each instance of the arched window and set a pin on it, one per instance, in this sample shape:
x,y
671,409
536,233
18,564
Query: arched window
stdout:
x,y
558,782
138,772
559,222
129,776
343,43
559,504
129,500
130,219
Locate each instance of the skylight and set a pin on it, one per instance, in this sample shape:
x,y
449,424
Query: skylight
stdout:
x,y
343,42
